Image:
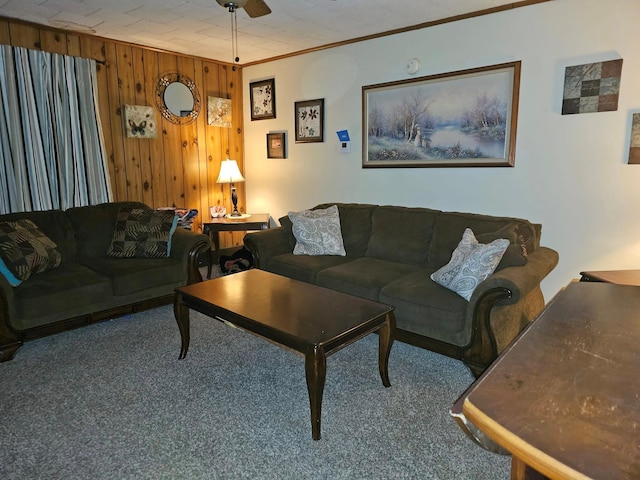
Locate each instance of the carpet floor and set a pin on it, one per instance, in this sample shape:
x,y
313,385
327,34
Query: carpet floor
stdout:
x,y
112,401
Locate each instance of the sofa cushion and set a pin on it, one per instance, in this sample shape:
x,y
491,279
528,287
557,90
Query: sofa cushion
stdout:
x,y
26,250
136,274
303,267
401,234
355,223
94,226
449,227
317,232
55,225
363,277
516,253
471,263
426,308
67,291
142,233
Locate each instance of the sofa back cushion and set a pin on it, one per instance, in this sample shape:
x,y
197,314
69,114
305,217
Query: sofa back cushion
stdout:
x,y
55,225
402,234
94,226
449,227
355,222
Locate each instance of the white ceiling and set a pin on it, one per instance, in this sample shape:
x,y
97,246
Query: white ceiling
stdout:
x,y
203,28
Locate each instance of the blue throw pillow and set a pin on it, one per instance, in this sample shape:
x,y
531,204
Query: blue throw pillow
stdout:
x,y
174,225
6,273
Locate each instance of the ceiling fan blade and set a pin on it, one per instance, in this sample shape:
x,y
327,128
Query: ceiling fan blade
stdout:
x,y
257,8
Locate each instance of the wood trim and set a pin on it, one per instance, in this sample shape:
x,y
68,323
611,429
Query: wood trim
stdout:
x,y
396,31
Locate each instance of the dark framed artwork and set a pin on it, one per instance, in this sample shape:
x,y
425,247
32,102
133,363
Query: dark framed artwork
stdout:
x,y
263,99
634,144
276,146
465,118
309,117
592,87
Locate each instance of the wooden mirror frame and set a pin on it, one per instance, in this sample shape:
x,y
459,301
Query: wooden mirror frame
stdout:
x,y
163,83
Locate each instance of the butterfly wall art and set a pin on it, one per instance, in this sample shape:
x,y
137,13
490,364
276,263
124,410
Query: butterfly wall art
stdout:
x,y
140,121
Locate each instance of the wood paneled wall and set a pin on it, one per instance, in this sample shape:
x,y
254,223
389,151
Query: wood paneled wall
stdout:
x,y
179,167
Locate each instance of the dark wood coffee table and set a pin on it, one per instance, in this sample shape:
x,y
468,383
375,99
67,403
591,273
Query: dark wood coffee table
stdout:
x,y
310,320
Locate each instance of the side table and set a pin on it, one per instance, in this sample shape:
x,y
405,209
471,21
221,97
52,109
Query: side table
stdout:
x,y
619,277
254,221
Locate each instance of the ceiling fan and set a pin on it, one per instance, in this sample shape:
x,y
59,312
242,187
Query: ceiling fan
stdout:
x,y
254,8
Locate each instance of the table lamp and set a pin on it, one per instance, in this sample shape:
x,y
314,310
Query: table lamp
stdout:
x,y
230,173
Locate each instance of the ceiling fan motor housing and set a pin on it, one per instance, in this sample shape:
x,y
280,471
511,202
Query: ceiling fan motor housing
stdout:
x,y
232,5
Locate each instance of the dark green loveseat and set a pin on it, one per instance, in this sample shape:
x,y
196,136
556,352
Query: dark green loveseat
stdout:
x,y
391,253
88,286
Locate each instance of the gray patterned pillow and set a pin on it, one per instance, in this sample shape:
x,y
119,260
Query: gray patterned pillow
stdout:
x,y
470,264
26,250
142,233
317,232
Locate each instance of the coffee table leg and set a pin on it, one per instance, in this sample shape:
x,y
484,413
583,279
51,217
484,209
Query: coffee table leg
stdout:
x,y
182,317
316,370
386,335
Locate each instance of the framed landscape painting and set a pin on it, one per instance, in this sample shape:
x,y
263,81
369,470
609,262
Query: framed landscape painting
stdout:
x,y
460,119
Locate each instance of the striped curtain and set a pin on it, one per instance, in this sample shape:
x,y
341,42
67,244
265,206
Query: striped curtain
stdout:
x,y
52,153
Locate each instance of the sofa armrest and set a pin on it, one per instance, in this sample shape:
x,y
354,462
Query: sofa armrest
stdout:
x,y
503,305
187,246
9,339
265,244
521,280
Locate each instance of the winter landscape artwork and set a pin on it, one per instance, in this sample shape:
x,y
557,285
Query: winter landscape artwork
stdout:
x,y
460,119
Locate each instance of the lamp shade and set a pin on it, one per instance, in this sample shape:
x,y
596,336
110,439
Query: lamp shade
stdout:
x,y
229,172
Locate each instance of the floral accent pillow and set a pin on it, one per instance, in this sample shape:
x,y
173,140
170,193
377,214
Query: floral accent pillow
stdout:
x,y
317,232
471,263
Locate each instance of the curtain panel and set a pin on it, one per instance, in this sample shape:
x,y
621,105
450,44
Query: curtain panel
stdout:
x,y
52,153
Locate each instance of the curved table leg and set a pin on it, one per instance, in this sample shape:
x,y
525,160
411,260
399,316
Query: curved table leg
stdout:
x,y
386,335
182,318
316,370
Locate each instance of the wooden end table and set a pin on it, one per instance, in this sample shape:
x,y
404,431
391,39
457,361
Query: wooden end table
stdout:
x,y
309,320
253,221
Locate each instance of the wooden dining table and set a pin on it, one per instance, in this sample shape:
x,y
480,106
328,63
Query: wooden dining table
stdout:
x,y
564,398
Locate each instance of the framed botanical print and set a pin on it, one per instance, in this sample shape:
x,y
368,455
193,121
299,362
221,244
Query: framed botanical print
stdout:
x,y
263,99
309,117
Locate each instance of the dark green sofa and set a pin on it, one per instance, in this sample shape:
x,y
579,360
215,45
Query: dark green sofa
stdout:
x,y
391,253
88,286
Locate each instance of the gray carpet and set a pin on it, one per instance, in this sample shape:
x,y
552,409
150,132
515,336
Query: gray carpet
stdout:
x,y
112,401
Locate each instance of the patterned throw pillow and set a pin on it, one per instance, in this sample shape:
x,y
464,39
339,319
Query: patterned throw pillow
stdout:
x,y
471,263
25,250
142,233
317,232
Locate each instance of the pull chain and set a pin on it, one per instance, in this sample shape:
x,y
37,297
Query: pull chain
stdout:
x,y
234,39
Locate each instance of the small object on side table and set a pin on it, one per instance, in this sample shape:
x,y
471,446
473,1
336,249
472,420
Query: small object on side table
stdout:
x,y
255,221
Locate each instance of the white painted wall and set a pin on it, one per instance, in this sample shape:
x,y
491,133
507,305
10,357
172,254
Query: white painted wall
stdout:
x,y
571,172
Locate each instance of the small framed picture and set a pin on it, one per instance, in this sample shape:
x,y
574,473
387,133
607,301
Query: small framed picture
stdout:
x,y
276,145
263,99
309,117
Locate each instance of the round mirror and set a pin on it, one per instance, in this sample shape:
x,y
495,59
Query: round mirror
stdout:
x,y
177,98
